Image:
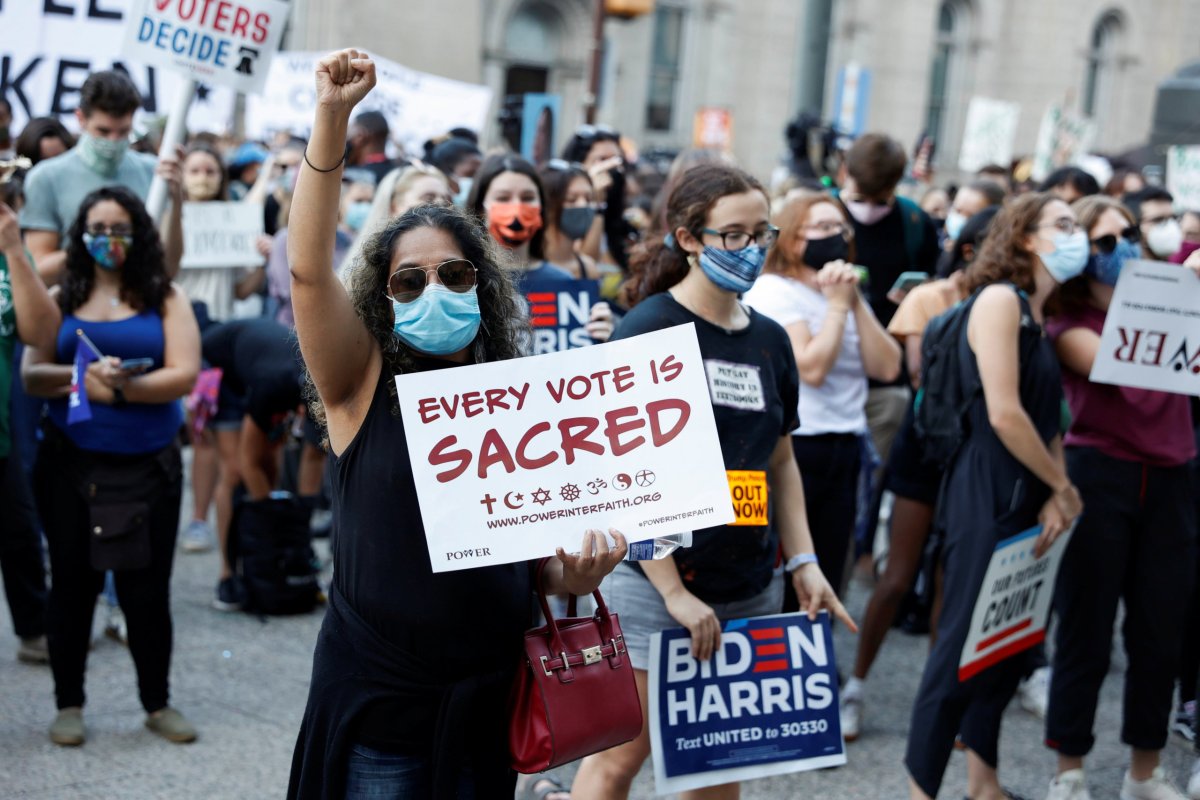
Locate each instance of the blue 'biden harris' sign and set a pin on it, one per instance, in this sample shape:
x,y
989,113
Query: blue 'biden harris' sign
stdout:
x,y
765,704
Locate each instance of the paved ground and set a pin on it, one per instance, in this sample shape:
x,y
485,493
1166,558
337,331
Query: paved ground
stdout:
x,y
243,683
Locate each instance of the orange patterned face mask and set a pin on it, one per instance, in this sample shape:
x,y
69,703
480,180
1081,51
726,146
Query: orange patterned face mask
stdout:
x,y
514,224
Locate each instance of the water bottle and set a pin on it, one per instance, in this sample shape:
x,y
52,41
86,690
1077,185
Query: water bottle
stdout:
x,y
658,547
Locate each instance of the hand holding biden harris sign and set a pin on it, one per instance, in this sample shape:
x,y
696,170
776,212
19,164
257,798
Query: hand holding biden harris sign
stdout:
x,y
514,459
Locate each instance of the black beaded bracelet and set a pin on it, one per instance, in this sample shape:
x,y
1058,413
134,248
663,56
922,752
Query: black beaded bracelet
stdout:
x,y
312,166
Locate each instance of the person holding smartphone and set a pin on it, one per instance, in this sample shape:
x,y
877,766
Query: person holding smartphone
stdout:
x,y
118,471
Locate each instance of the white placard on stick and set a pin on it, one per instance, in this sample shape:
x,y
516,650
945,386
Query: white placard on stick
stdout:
x,y
989,135
1151,337
1013,606
417,105
514,459
227,42
1183,176
221,234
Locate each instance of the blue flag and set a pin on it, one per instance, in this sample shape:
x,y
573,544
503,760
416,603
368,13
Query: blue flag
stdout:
x,y
78,409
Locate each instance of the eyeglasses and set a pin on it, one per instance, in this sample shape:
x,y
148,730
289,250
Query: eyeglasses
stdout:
x,y
1107,244
592,131
100,229
1065,225
736,240
826,229
406,285
561,165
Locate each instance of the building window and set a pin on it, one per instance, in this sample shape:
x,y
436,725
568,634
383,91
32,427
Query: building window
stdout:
x,y
1101,65
948,49
664,67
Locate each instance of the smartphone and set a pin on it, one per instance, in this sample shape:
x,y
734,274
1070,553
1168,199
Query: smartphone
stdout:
x,y
136,364
909,281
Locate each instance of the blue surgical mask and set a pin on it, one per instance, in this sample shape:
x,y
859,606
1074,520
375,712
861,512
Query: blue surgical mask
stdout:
x,y
955,224
356,215
733,270
464,189
1106,267
439,322
1069,257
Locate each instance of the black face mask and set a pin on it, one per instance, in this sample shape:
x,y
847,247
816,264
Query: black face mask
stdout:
x,y
819,252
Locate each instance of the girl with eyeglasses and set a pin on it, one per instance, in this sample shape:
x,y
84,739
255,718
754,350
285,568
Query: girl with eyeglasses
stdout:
x,y
811,288
1129,452
397,705
720,235
1007,476
116,471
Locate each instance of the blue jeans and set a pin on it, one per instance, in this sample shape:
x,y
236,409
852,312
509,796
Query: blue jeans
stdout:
x,y
373,774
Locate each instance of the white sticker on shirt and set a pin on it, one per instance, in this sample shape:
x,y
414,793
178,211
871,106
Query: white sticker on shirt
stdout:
x,y
735,385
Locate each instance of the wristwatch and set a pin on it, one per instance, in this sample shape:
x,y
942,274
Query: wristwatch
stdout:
x,y
799,560
119,399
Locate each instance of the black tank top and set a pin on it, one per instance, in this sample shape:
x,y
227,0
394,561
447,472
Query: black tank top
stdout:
x,y
463,623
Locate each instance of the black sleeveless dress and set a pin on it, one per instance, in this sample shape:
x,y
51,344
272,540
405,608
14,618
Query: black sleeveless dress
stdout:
x,y
407,660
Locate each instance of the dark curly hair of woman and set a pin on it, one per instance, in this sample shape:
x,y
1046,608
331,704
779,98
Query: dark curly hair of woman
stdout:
x,y
503,329
144,281
1005,256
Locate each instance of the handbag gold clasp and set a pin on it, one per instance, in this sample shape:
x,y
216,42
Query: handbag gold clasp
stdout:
x,y
591,655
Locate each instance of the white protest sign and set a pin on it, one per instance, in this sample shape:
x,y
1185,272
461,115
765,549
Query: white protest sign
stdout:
x,y
1013,606
221,234
1063,137
1183,176
990,131
60,43
1151,337
514,459
225,42
417,105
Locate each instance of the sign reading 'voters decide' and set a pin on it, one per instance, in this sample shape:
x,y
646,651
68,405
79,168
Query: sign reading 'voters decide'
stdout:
x,y
1151,337
764,704
224,42
516,458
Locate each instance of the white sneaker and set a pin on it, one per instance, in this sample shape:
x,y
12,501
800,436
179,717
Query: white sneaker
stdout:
x,y
1157,787
1193,788
1035,692
197,537
852,709
115,627
1070,785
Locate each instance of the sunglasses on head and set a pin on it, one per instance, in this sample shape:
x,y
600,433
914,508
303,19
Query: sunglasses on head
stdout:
x,y
1107,244
406,285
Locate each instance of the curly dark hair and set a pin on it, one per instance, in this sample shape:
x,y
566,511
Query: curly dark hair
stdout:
x,y
504,327
492,167
144,281
654,267
1004,256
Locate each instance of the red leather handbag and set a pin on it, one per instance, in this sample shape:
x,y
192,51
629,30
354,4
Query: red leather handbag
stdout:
x,y
574,694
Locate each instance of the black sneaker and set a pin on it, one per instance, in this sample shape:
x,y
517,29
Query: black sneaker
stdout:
x,y
231,595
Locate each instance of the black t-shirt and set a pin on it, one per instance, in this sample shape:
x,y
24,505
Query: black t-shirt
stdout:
x,y
259,360
728,563
883,250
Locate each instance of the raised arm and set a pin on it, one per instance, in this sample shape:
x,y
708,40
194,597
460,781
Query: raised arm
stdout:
x,y
38,316
338,350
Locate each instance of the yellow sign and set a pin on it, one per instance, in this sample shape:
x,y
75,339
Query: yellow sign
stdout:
x,y
748,492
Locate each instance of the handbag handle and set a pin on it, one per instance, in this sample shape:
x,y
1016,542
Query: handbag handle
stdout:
x,y
556,641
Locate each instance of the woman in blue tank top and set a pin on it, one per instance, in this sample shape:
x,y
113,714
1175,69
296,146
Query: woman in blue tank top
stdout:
x,y
108,476
397,704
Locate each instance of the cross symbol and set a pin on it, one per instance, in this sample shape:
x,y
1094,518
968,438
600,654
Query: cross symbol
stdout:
x,y
487,501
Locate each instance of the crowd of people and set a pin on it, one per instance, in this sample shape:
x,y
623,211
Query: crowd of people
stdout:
x,y
374,262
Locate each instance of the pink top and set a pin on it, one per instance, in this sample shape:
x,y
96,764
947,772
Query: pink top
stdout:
x,y
1140,425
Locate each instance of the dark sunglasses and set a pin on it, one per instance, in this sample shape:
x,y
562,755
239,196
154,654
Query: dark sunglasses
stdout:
x,y
406,285
1107,244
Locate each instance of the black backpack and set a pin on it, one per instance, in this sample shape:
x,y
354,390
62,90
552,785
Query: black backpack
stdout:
x,y
270,547
943,399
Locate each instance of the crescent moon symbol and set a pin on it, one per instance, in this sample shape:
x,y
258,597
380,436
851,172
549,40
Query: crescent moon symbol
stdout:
x,y
508,502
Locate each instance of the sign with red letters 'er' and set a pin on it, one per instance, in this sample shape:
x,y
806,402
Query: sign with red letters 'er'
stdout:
x,y
1151,337
513,459
224,42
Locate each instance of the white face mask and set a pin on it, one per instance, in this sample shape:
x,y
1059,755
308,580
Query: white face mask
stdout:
x,y
1165,238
